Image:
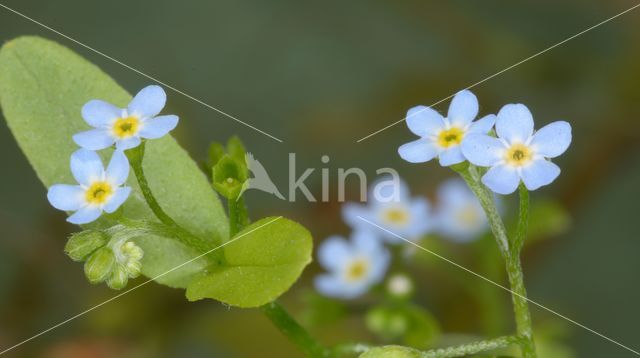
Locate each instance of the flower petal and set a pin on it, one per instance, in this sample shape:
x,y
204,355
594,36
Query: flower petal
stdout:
x,y
86,166
482,125
364,241
85,215
66,197
552,140
330,285
514,123
482,149
94,139
379,265
418,151
420,223
502,179
424,121
334,252
159,126
119,197
451,155
118,169
128,143
539,173
148,102
351,213
463,108
100,114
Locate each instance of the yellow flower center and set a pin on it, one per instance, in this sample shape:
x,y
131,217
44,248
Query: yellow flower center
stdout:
x,y
518,155
126,127
98,193
396,216
468,215
357,270
450,137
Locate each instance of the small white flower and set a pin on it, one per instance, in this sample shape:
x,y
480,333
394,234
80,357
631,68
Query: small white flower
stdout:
x,y
354,266
518,153
459,215
399,285
441,137
125,127
98,190
390,206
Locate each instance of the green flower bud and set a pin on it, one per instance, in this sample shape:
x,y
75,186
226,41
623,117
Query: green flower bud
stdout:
x,y
99,265
236,149
119,278
128,256
216,152
229,175
83,244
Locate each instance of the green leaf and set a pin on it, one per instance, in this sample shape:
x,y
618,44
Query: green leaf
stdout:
x,y
43,86
261,264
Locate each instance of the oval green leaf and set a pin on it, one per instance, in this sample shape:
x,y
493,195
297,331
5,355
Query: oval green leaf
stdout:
x,y
262,262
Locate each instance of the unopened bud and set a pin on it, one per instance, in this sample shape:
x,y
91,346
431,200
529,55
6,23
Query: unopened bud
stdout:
x,y
83,244
99,265
119,278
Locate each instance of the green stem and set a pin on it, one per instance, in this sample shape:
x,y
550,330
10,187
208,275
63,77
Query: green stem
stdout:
x,y
523,221
511,255
293,330
136,156
238,217
472,348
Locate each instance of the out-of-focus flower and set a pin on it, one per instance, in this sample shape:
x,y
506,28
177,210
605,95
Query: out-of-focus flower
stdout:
x,y
441,137
354,265
518,153
459,215
399,285
99,190
390,206
125,127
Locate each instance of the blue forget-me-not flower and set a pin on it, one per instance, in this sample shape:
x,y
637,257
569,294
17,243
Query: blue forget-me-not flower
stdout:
x,y
459,216
98,190
354,265
390,205
441,137
518,153
125,127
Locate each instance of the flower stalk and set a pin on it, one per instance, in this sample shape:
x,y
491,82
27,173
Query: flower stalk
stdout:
x,y
510,251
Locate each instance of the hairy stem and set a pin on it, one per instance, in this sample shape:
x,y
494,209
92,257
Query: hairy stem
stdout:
x,y
472,348
293,330
238,217
510,252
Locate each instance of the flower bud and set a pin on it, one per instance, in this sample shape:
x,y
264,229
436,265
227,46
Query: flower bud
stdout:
x,y
229,175
99,265
119,278
84,243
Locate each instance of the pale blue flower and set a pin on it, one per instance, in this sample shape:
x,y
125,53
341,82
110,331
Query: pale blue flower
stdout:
x,y
354,265
390,205
441,137
98,190
518,153
459,216
125,127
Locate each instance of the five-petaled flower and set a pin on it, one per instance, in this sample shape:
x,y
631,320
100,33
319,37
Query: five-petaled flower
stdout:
x,y
391,207
354,266
125,127
99,190
518,153
459,215
441,136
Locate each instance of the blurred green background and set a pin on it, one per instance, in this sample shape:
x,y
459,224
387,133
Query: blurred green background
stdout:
x,y
320,76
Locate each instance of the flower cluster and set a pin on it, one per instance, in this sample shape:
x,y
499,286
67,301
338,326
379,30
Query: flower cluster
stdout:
x,y
101,190
515,154
357,264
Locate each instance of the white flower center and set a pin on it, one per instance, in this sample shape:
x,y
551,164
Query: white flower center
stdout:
x,y
99,193
518,155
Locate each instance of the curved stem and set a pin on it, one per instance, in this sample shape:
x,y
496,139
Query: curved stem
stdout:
x,y
135,156
472,348
510,252
293,330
